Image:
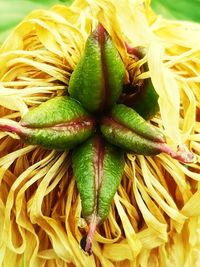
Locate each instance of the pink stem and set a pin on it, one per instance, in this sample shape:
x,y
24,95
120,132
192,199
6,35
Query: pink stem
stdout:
x,y
86,242
182,155
11,128
90,236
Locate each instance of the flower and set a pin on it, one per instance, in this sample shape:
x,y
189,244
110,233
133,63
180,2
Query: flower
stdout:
x,y
155,202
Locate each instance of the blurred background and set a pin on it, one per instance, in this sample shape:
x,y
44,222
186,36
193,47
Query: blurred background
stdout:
x,y
13,11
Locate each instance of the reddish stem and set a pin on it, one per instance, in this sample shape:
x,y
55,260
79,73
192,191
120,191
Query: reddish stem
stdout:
x,y
11,128
86,241
182,155
90,236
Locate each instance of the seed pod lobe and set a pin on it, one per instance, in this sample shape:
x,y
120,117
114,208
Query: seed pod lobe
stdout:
x,y
59,123
98,168
98,78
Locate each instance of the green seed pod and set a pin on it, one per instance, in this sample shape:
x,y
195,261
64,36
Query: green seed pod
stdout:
x,y
125,128
60,123
145,100
98,168
55,111
97,80
132,120
128,130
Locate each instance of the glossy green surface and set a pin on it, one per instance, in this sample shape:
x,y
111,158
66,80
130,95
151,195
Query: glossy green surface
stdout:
x,y
97,192
86,80
129,141
146,101
132,120
115,71
57,110
59,123
58,139
98,78
113,168
82,162
126,129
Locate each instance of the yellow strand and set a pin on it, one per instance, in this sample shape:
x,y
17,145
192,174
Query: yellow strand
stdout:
x,y
155,216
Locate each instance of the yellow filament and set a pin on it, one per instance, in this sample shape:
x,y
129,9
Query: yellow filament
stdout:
x,y
155,215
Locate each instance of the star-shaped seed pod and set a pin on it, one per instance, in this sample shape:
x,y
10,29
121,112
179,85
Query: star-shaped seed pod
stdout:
x,y
91,121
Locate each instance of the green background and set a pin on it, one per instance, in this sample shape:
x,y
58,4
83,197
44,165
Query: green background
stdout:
x,y
13,11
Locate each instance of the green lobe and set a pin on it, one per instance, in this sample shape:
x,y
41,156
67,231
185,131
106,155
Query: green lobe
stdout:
x,y
146,100
98,168
60,123
133,121
113,171
115,72
129,141
57,110
58,139
83,168
128,130
98,78
86,80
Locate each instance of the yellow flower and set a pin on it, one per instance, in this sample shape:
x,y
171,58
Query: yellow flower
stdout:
x,y
154,220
